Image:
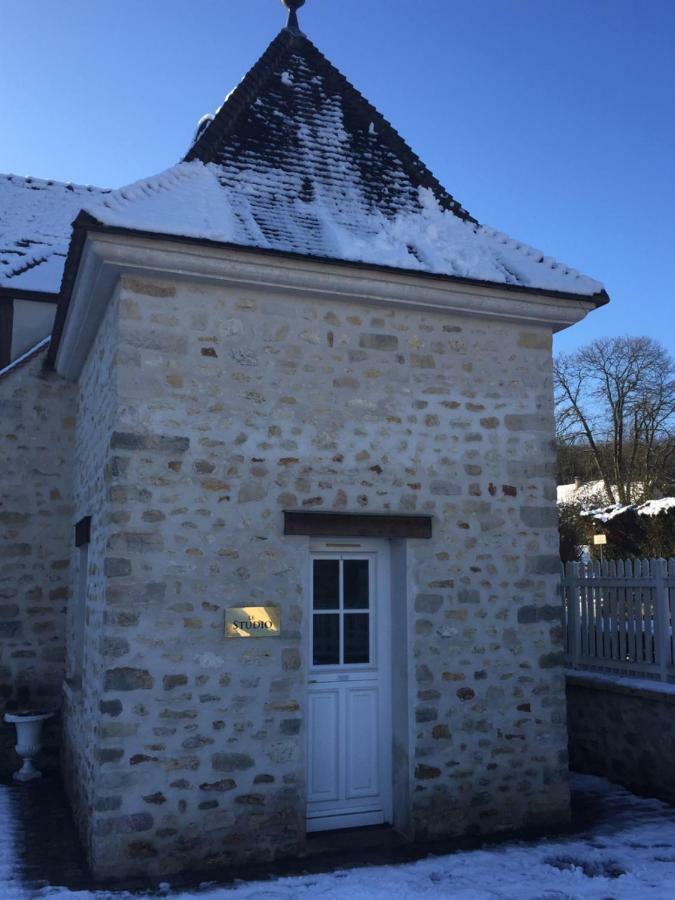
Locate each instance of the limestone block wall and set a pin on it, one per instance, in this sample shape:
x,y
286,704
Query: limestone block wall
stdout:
x,y
623,730
232,406
37,423
85,669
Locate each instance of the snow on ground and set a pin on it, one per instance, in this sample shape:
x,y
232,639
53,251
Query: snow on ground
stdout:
x,y
628,854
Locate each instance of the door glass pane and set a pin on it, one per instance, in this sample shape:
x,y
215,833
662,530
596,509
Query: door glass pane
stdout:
x,y
357,638
356,583
326,584
326,639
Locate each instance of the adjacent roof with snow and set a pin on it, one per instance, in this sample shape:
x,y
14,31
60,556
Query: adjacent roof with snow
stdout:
x,y
649,508
35,229
297,161
592,497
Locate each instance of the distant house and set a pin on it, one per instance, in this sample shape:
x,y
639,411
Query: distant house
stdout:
x,y
585,494
278,508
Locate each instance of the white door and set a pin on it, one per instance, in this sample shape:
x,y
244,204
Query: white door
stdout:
x,y
349,719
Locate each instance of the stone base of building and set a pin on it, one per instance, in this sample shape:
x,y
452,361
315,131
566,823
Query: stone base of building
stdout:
x,y
122,847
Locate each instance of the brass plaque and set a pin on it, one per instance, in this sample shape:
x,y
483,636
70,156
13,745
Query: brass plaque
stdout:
x,y
253,621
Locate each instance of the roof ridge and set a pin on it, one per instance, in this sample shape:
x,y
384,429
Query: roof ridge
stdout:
x,y
240,98
51,182
411,162
165,180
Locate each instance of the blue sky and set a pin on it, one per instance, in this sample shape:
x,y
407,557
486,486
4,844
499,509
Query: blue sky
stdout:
x,y
552,120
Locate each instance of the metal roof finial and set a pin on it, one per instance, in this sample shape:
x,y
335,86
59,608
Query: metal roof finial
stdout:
x,y
293,6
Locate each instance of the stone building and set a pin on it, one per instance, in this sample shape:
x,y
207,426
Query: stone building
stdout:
x,y
277,508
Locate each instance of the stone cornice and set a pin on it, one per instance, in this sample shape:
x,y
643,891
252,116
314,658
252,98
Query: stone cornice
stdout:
x,y
105,257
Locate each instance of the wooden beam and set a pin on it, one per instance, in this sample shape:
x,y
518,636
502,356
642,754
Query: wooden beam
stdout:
x,y
333,524
6,324
21,294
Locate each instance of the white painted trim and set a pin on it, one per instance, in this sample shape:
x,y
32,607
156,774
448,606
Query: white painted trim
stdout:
x,y
106,257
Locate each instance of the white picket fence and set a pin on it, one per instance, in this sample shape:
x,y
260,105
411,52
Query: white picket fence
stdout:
x,y
619,617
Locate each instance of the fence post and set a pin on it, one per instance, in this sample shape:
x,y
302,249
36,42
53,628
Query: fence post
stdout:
x,y
662,617
571,599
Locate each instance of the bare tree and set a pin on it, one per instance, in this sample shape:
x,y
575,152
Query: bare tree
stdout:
x,y
617,396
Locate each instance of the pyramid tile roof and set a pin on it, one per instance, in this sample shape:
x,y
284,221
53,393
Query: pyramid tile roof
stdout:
x,y
295,113
297,161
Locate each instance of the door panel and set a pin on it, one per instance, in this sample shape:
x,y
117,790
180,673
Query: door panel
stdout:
x,y
324,736
362,728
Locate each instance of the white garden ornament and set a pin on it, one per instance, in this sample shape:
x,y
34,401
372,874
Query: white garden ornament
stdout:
x,y
28,728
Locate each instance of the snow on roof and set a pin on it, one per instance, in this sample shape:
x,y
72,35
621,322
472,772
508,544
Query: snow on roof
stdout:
x,y
201,201
35,219
587,492
607,513
296,160
592,496
649,508
655,507
186,200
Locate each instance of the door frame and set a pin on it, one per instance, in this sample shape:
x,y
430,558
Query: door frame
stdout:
x,y
379,550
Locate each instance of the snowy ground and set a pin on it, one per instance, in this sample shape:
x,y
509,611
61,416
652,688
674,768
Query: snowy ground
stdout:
x,y
628,854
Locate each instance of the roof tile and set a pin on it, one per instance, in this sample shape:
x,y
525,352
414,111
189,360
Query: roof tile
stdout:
x,y
35,219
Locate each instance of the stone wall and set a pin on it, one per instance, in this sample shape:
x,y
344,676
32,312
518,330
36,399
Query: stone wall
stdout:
x,y
37,423
232,406
85,781
623,730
